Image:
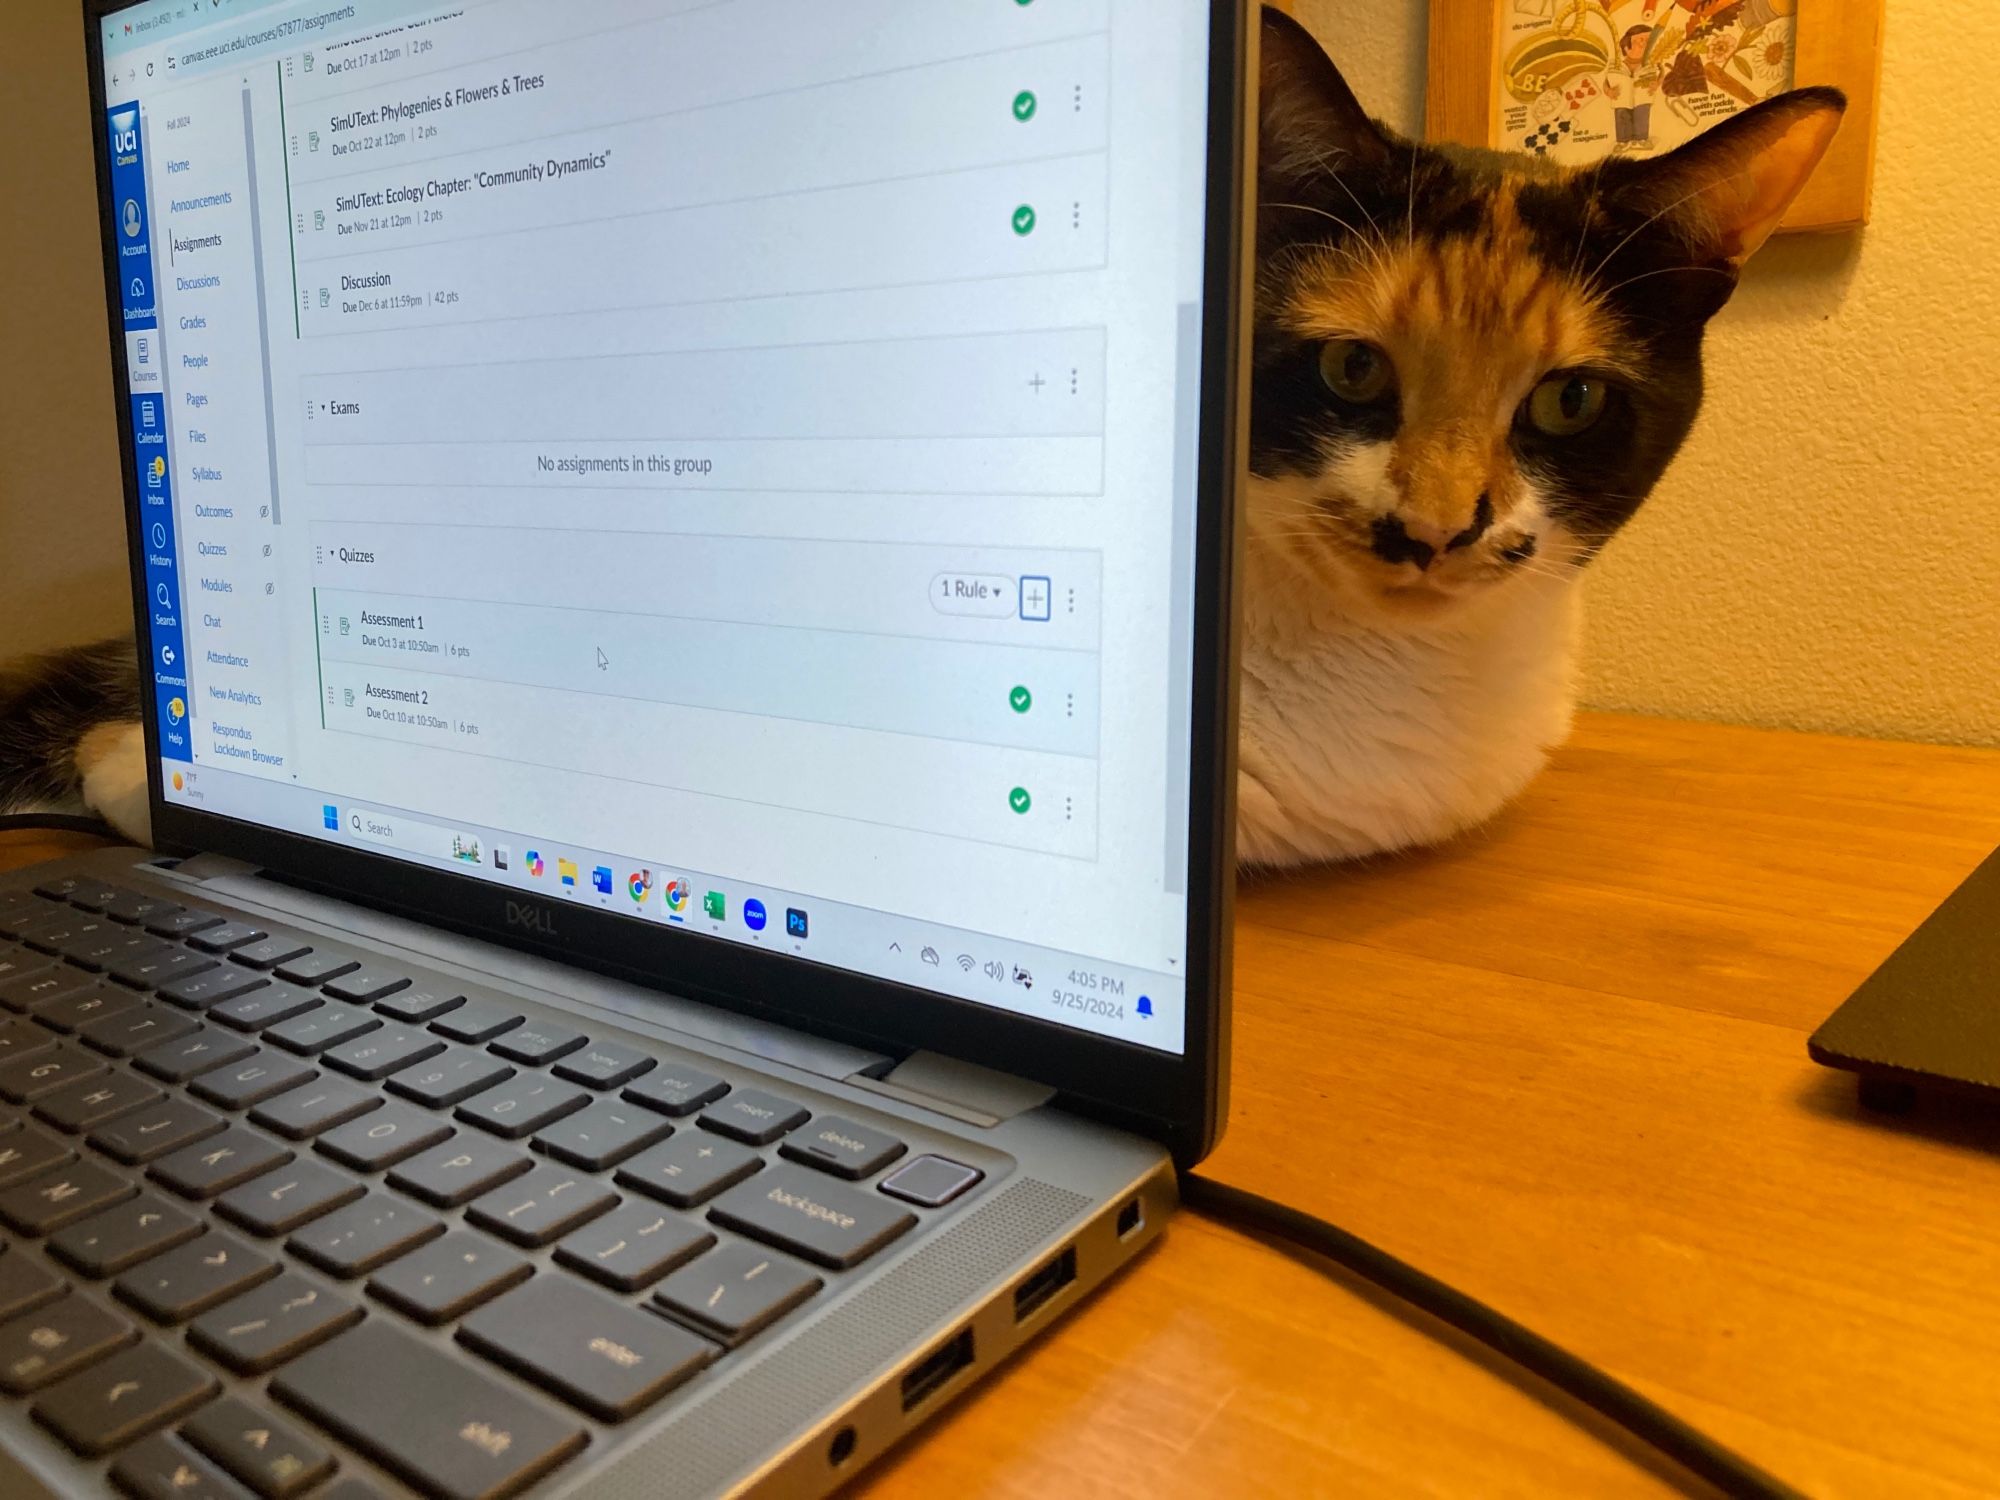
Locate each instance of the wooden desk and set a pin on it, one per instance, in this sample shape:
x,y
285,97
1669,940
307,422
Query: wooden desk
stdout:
x,y
1563,1066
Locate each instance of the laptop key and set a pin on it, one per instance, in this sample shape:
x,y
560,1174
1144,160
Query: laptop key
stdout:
x,y
539,1042
27,1079
267,1453
523,1106
379,1053
451,1077
135,1030
162,1467
317,1030
419,1005
210,987
218,1164
317,966
277,1321
604,1065
110,945
132,908
458,1171
733,1292
226,937
18,1038
64,1336
126,1397
449,1277
288,1197
89,1102
26,1284
24,1153
119,1238
151,1132
44,1204
843,1148
15,962
301,1113
823,1221
632,1247
92,894
753,1116
366,985
81,1007
605,1134
265,1007
478,1020
675,1090
264,1073
270,952
180,923
201,1050
356,1239
25,992
689,1169
144,971
541,1206
194,1277
383,1137
609,1359
438,1421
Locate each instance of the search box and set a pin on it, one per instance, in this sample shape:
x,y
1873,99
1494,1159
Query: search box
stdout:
x,y
414,836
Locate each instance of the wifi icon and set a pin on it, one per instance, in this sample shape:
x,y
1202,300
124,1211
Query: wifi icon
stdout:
x,y
965,962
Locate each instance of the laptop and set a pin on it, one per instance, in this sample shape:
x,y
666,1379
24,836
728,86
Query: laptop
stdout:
x,y
681,551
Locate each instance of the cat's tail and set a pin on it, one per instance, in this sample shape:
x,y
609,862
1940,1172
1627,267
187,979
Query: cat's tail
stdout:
x,y
70,739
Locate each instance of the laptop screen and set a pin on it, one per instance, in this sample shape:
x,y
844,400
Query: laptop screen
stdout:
x,y
725,462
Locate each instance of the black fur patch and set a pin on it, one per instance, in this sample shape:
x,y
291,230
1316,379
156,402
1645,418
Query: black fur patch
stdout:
x,y
47,704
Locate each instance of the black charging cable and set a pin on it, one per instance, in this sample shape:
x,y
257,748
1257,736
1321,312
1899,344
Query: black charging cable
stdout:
x,y
1651,1423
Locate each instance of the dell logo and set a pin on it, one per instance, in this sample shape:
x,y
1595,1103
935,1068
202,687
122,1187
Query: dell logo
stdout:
x,y
531,918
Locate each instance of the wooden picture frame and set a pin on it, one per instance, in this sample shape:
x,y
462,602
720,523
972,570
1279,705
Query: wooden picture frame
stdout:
x,y
1838,42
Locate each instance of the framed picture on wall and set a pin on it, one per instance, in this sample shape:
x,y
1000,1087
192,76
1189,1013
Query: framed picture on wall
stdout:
x,y
1578,80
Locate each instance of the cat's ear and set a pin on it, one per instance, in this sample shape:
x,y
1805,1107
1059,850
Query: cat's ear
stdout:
x,y
1309,117
1731,184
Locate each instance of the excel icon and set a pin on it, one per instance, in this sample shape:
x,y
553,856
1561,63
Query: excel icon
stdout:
x,y
712,905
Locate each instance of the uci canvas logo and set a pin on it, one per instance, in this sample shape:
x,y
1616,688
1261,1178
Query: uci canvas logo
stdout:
x,y
125,137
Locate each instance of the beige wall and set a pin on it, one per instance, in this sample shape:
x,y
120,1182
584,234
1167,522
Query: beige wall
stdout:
x,y
1825,553
62,531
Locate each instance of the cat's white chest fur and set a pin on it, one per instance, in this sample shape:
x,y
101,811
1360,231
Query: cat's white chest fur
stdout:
x,y
1360,737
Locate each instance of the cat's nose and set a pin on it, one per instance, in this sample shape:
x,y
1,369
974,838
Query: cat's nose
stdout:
x,y
1398,539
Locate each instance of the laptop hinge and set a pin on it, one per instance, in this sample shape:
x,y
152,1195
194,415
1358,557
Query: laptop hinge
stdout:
x,y
962,1090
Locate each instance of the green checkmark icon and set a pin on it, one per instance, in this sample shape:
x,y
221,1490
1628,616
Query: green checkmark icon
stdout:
x,y
1020,700
1024,106
1024,220
1019,800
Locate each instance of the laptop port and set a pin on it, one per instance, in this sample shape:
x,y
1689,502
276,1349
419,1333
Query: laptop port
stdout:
x,y
934,1371
841,1449
1131,1219
1044,1284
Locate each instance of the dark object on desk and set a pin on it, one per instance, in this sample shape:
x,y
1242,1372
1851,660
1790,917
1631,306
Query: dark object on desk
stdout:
x,y
1929,1017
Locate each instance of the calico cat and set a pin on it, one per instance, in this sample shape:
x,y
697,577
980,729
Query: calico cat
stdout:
x,y
1469,368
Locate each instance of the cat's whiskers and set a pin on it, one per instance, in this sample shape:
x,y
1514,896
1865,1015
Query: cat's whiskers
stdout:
x,y
1707,186
1671,271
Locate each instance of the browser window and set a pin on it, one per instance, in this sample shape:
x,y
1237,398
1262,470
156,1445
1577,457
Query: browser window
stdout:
x,y
727,463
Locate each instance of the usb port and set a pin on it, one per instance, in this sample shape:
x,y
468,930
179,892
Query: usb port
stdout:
x,y
935,1370
1031,1294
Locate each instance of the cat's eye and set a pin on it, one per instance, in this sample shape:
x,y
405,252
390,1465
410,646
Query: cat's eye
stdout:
x,y
1566,404
1355,370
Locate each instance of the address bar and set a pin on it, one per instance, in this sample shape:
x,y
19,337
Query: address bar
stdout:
x,y
414,836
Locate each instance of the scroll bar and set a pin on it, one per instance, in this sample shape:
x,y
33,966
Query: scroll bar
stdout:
x,y
1180,624
263,321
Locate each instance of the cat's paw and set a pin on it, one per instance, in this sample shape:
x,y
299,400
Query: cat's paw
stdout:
x,y
111,764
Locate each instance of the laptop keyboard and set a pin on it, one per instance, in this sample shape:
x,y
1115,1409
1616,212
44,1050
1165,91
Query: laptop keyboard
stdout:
x,y
256,1166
